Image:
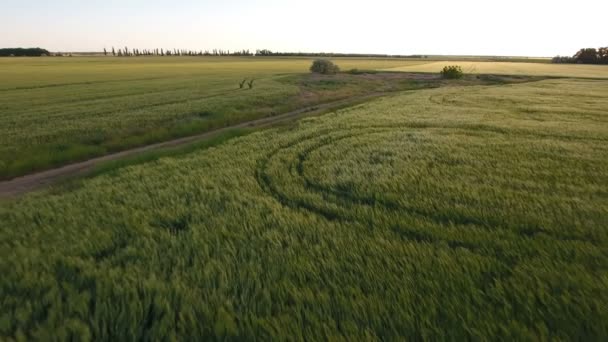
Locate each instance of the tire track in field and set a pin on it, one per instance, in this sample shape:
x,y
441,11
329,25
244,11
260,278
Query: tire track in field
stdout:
x,y
343,202
32,182
105,98
341,197
77,114
56,85
336,205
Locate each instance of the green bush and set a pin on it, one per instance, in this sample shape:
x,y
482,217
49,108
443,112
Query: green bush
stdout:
x,y
452,72
324,66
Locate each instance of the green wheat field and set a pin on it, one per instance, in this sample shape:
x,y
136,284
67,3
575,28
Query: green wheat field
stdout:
x,y
55,111
461,212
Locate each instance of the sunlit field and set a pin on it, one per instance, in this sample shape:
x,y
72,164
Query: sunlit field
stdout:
x,y
58,110
55,111
458,213
33,73
511,68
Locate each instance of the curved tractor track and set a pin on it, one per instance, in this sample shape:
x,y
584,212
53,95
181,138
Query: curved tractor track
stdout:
x,y
35,181
301,175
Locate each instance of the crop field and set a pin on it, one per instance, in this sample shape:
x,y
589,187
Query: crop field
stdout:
x,y
456,213
54,111
514,68
58,110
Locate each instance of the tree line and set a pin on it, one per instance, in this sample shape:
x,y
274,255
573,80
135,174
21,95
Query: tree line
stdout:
x,y
126,52
585,56
266,52
24,52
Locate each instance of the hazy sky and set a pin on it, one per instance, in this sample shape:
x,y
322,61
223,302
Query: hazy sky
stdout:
x,y
472,27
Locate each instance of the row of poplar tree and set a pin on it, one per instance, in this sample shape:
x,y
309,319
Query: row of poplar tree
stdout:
x,y
173,52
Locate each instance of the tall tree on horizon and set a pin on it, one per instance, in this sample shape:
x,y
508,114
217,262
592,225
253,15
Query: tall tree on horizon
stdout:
x,y
586,56
602,54
113,51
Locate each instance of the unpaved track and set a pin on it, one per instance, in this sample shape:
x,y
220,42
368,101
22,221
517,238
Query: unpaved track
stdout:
x,y
35,181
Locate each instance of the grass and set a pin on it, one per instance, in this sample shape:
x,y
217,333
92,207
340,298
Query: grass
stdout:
x,y
60,110
154,155
55,111
455,213
514,68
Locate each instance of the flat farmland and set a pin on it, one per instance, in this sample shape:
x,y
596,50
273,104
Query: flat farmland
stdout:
x,y
513,68
59,110
346,171
55,111
457,213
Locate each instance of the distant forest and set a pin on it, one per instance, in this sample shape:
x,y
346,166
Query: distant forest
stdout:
x,y
585,56
21,52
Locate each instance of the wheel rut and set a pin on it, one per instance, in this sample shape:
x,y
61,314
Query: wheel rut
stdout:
x,y
28,183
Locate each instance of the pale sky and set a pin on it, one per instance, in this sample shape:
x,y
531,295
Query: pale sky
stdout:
x,y
459,27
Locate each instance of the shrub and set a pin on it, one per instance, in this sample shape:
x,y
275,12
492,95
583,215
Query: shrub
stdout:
x,y
324,66
452,72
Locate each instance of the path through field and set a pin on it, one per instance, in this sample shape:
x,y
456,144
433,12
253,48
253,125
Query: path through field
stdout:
x,y
42,179
454,213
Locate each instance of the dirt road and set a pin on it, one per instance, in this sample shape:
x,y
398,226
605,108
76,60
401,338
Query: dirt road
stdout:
x,y
35,181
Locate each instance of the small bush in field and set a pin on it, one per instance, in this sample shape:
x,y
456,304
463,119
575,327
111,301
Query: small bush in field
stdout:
x,y
452,72
324,66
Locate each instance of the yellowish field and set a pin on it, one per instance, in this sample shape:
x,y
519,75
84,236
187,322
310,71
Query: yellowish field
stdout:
x,y
43,72
510,68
